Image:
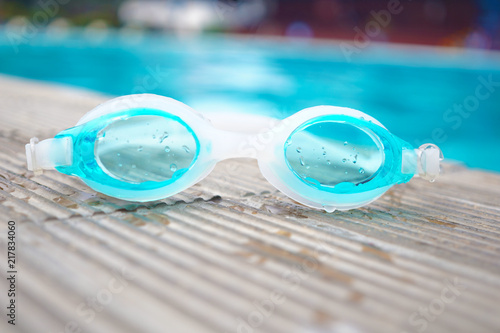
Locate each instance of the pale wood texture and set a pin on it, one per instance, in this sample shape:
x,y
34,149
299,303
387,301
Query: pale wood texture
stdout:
x,y
199,261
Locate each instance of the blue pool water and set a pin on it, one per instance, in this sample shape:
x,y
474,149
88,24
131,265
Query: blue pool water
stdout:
x,y
412,91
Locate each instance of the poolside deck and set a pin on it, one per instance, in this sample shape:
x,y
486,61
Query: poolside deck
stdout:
x,y
232,254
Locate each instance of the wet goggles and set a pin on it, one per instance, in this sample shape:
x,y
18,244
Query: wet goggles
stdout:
x,y
147,147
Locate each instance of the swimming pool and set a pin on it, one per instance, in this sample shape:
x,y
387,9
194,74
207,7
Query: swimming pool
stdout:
x,y
416,93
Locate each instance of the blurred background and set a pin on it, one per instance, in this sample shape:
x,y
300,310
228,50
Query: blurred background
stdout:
x,y
429,70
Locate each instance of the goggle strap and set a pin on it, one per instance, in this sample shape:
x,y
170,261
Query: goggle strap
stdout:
x,y
429,158
49,153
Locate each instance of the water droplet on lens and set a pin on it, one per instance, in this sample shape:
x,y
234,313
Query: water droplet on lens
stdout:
x,y
299,150
173,167
163,137
354,162
186,149
140,148
307,166
344,160
154,136
361,170
324,153
301,160
345,143
167,149
328,162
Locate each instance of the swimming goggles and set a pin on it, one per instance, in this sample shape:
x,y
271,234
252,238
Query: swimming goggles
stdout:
x,y
147,147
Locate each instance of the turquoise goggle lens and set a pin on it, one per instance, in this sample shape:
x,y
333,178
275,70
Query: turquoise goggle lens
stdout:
x,y
325,153
145,148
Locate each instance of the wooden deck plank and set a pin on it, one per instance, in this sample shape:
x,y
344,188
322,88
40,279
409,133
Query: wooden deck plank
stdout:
x,y
201,260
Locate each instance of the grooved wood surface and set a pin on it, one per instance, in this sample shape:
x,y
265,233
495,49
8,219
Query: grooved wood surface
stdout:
x,y
232,254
